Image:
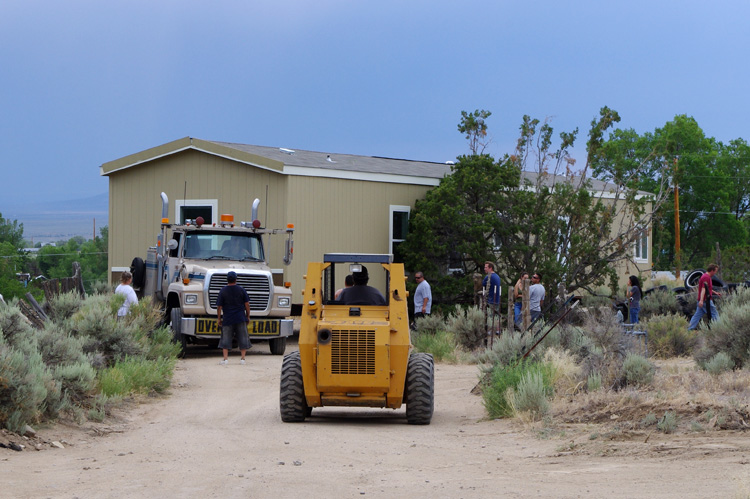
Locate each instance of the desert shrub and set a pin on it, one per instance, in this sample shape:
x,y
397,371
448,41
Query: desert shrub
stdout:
x,y
659,302
58,347
442,344
101,332
530,396
467,325
606,332
430,324
566,373
730,334
78,381
64,305
668,336
637,370
719,363
161,345
101,288
650,419
593,382
24,382
136,375
668,423
14,326
503,378
507,349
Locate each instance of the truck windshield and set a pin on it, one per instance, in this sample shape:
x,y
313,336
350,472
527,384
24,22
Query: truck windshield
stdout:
x,y
223,246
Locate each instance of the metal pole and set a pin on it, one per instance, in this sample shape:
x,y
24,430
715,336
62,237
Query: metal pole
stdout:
x,y
676,223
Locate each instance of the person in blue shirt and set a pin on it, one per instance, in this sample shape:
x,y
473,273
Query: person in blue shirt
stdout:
x,y
491,285
234,303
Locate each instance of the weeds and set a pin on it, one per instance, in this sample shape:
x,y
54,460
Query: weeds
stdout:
x,y
668,423
668,336
441,344
508,377
59,369
467,325
637,370
719,363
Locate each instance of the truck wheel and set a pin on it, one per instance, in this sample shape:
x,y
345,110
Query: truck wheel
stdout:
x,y
138,269
292,401
278,345
420,388
177,336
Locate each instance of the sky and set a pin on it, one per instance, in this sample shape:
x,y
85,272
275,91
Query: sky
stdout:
x,y
87,82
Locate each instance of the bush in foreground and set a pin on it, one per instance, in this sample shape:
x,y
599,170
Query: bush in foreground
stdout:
x,y
61,369
499,394
668,336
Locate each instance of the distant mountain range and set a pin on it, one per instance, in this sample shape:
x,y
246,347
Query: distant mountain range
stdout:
x,y
52,221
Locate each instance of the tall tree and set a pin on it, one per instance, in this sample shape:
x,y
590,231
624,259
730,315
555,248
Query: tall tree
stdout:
x,y
527,211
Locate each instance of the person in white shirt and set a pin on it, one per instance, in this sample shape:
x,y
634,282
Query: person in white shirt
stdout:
x,y
125,289
422,297
536,296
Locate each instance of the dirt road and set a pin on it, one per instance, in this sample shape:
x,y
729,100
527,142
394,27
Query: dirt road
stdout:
x,y
219,434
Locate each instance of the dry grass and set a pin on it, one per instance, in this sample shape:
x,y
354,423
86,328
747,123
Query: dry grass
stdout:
x,y
679,386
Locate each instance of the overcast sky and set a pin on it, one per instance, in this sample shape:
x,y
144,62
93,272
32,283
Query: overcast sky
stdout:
x,y
86,82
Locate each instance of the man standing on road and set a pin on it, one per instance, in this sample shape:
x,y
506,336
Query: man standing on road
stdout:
x,y
422,297
235,304
536,296
705,298
491,283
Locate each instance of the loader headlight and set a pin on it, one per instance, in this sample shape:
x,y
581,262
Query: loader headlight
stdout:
x,y
191,299
284,302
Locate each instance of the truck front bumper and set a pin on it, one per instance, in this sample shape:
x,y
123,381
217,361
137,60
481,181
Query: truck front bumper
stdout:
x,y
260,328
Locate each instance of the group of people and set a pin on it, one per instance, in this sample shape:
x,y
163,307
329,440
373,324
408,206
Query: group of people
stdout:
x,y
706,295
492,290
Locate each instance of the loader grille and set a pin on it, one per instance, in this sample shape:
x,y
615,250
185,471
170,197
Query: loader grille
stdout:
x,y
352,351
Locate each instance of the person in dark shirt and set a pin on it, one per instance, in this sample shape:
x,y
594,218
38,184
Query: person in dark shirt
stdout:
x,y
234,303
361,293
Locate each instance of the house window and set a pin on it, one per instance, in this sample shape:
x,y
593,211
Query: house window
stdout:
x,y
399,227
641,247
194,208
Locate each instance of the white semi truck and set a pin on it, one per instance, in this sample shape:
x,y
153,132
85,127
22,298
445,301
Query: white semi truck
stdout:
x,y
188,267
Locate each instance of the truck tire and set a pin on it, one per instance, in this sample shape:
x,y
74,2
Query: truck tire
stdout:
x,y
177,336
420,388
277,345
292,401
138,269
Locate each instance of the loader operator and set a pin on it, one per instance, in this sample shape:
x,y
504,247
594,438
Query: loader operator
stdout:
x,y
361,293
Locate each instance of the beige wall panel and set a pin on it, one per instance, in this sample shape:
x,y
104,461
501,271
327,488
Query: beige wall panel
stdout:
x,y
135,203
341,216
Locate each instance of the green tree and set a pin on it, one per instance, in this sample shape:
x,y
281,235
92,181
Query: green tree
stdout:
x,y
526,211
12,258
713,195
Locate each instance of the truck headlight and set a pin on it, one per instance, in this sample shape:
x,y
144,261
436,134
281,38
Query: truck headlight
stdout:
x,y
284,302
191,299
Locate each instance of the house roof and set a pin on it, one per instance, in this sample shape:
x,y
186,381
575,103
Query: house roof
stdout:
x,y
321,164
296,162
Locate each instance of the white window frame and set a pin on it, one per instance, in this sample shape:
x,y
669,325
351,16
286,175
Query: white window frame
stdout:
x,y
640,242
179,204
396,208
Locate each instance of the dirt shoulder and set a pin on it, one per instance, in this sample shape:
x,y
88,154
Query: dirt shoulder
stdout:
x,y
218,434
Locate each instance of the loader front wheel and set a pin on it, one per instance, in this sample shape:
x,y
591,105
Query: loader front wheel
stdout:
x,y
292,401
420,388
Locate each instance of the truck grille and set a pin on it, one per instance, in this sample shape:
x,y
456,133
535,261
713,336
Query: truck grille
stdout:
x,y
258,288
352,351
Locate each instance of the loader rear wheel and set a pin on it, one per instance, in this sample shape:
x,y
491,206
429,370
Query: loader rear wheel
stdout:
x,y
420,388
277,345
292,401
